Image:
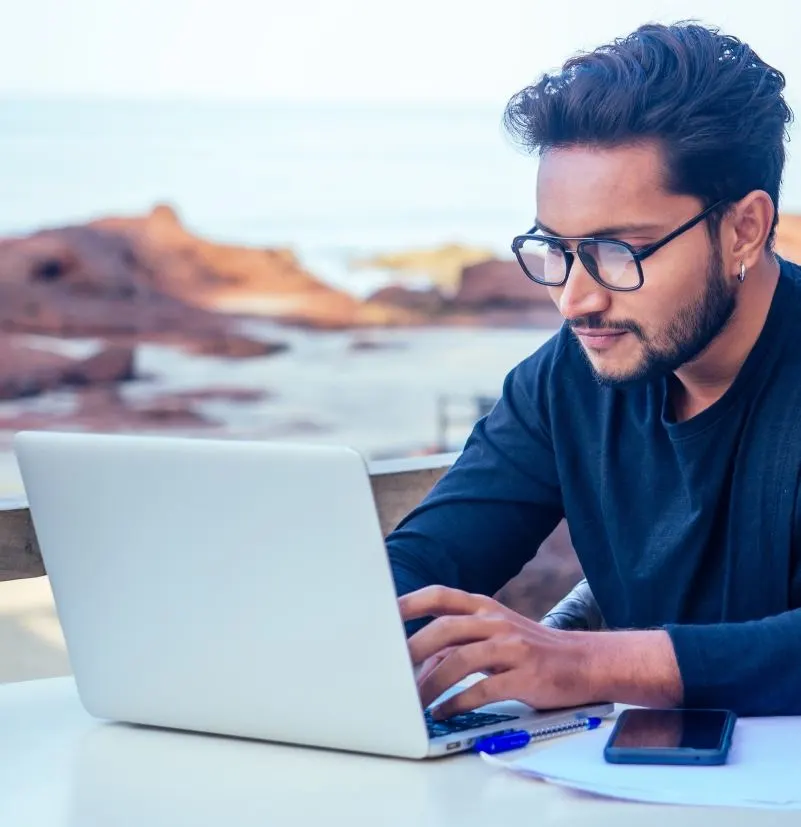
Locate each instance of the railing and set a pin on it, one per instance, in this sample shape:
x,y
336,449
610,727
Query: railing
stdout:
x,y
19,549
398,485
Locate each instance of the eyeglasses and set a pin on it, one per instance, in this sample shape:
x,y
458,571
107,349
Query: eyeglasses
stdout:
x,y
614,264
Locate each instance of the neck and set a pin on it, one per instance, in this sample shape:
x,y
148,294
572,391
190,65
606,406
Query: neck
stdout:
x,y
704,380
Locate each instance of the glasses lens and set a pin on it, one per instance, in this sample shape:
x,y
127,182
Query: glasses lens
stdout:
x,y
611,263
543,262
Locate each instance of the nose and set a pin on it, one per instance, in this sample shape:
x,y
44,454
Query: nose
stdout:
x,y
581,295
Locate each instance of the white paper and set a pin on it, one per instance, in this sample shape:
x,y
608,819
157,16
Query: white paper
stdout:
x,y
763,769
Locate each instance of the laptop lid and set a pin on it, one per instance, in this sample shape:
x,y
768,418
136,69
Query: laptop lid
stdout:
x,y
224,586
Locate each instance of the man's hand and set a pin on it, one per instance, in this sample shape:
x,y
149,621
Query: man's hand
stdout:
x,y
525,661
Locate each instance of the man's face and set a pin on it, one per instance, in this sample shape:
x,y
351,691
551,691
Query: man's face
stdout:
x,y
686,299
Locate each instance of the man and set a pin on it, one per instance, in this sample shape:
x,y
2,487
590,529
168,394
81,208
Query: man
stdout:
x,y
663,421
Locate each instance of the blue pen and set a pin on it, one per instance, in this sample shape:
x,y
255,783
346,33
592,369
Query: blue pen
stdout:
x,y
519,738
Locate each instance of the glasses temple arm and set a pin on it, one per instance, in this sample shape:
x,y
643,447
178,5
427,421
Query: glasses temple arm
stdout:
x,y
647,251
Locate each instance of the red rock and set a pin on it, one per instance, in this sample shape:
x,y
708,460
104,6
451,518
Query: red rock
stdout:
x,y
429,301
492,293
102,408
233,347
498,284
367,344
222,395
173,413
269,282
111,365
151,279
27,371
94,288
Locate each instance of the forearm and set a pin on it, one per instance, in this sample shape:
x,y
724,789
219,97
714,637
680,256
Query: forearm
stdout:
x,y
416,562
472,544
487,516
422,554
752,668
632,667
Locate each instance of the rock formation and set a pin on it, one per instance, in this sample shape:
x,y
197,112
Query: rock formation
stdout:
x,y
29,371
442,266
489,293
125,281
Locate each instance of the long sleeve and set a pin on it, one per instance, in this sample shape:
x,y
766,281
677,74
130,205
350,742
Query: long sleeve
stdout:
x,y
491,511
753,668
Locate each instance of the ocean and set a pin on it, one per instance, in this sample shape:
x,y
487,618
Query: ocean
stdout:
x,y
332,183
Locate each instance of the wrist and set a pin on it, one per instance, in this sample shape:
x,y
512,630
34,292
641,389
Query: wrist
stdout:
x,y
632,667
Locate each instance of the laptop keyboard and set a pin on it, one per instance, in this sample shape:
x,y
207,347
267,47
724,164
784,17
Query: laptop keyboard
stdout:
x,y
465,721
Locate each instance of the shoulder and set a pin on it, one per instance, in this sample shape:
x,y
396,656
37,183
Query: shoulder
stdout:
x,y
781,324
790,270
790,282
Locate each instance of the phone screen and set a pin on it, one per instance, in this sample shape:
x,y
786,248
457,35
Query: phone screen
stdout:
x,y
691,729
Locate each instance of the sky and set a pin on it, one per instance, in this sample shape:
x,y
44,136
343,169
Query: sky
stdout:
x,y
337,50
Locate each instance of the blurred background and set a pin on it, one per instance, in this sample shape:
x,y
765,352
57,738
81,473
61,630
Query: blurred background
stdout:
x,y
283,221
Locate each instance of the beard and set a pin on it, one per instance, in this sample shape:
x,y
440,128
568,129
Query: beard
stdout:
x,y
683,339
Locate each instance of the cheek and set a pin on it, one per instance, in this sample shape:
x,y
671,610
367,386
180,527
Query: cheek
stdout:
x,y
662,295
555,294
675,276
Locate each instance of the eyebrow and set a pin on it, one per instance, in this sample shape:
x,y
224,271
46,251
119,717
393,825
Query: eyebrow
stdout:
x,y
621,229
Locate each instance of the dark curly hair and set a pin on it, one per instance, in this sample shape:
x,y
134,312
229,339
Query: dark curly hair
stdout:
x,y
714,106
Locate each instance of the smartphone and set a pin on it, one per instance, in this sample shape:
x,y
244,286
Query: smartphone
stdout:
x,y
671,736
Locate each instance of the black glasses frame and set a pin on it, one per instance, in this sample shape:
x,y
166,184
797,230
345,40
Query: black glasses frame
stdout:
x,y
588,260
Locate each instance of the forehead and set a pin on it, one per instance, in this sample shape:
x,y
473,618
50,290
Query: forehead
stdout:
x,y
581,188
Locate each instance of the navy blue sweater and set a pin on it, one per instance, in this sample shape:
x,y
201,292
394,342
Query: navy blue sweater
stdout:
x,y
693,526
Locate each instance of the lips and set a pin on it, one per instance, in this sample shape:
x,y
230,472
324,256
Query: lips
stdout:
x,y
600,339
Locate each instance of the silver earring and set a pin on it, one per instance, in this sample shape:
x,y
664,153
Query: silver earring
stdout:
x,y
741,277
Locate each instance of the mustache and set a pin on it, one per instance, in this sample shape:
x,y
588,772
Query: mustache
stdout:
x,y
599,323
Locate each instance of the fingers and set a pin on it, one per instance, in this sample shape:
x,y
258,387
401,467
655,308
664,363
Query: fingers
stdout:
x,y
440,600
453,630
485,656
487,691
428,666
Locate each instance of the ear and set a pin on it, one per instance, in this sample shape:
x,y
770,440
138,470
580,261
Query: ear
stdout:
x,y
748,225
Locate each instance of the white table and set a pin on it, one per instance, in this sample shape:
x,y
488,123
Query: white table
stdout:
x,y
61,768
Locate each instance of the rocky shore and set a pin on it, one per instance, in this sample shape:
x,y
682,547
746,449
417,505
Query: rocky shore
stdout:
x,y
488,293
124,282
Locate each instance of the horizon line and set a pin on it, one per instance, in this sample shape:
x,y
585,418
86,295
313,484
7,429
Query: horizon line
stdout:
x,y
20,96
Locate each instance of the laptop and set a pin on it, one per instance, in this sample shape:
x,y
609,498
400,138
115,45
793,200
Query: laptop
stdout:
x,y
239,588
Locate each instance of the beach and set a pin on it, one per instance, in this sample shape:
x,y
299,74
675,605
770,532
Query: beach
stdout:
x,y
381,400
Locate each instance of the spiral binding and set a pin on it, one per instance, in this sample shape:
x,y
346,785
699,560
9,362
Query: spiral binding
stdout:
x,y
558,729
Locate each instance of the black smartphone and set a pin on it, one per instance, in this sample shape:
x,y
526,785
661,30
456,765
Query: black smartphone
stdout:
x,y
671,736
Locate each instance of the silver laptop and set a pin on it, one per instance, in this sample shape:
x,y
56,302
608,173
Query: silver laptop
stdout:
x,y
239,588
